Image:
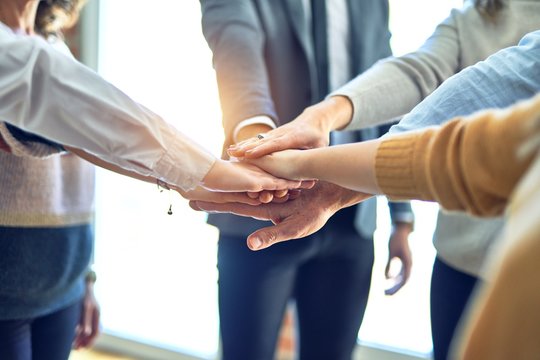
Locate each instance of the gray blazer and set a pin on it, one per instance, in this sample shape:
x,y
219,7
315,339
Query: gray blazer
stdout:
x,y
264,62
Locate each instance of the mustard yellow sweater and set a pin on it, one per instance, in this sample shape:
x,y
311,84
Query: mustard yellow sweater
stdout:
x,y
485,164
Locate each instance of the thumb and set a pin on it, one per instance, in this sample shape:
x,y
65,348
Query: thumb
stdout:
x,y
268,236
387,268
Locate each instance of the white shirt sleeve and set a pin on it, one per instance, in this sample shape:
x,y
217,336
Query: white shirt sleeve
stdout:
x,y
48,93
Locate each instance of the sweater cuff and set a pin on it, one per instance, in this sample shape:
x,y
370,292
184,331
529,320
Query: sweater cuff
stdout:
x,y
398,166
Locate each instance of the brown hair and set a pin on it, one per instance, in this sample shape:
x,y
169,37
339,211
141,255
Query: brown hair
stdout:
x,y
489,7
55,15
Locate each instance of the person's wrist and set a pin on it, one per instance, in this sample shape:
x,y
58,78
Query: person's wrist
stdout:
x,y
304,167
250,131
339,112
209,179
341,197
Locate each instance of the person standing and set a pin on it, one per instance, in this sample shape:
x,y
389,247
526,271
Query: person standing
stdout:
x,y
47,304
272,60
392,88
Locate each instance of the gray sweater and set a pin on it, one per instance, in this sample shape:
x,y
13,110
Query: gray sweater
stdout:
x,y
394,86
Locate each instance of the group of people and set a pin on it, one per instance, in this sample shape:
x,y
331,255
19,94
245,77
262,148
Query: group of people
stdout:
x,y
275,62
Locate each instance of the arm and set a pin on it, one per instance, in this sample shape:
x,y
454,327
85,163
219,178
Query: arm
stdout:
x,y
234,34
389,89
395,85
467,164
501,80
452,164
50,94
423,171
218,177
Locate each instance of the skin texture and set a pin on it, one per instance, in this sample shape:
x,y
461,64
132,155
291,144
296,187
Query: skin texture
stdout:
x,y
293,219
309,130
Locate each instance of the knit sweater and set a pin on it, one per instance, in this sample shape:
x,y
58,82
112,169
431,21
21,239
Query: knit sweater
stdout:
x,y
46,235
454,166
394,86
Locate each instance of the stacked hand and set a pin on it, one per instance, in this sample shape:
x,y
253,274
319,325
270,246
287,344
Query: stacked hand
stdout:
x,y
292,219
311,208
309,130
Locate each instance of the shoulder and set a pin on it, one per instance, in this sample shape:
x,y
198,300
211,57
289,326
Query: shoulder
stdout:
x,y
59,45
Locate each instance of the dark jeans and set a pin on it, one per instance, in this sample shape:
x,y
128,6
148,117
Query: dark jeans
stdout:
x,y
47,337
327,274
450,293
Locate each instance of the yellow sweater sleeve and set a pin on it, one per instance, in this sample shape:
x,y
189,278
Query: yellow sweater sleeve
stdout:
x,y
468,164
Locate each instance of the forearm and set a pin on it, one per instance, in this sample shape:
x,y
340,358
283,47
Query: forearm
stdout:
x,y
233,32
467,164
350,166
395,85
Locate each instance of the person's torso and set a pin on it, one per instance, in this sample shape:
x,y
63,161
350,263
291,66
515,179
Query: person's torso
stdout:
x,y
290,63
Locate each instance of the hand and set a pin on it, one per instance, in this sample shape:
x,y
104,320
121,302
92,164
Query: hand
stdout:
x,y
292,219
232,176
398,249
88,327
202,194
309,130
279,196
253,131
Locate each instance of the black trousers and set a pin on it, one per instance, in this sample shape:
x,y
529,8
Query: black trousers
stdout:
x,y
451,290
327,274
48,337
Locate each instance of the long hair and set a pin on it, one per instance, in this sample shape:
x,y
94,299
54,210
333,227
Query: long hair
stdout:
x,y
489,7
55,15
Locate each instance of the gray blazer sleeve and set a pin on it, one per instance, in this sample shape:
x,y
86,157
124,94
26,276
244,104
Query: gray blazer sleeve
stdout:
x,y
233,32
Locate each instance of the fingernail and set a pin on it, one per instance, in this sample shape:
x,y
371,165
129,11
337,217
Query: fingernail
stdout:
x,y
255,243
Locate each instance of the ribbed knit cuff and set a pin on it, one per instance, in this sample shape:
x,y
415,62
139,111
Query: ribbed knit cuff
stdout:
x,y
399,167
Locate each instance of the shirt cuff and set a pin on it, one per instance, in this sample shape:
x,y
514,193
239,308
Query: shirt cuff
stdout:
x,y
262,119
184,163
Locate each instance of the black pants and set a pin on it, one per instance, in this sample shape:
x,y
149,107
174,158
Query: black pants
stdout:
x,y
327,275
451,290
48,337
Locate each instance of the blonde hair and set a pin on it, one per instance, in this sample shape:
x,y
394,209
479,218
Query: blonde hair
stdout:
x,y
53,16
